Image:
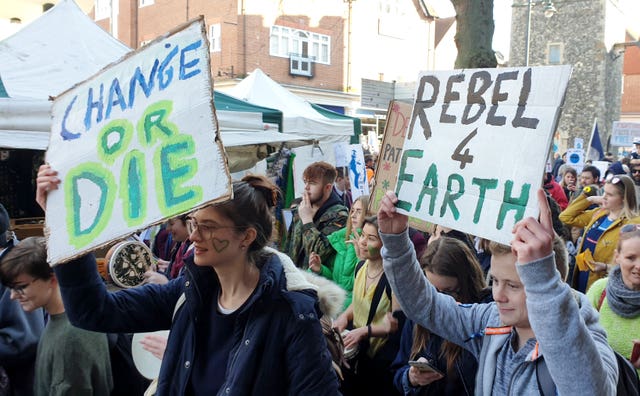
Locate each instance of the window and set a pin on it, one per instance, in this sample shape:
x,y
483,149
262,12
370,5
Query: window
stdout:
x,y
285,42
554,53
102,9
144,3
214,38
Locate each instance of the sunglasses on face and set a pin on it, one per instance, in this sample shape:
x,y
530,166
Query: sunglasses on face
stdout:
x,y
629,228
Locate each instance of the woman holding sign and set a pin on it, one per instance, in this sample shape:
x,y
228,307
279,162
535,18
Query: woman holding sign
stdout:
x,y
243,320
601,227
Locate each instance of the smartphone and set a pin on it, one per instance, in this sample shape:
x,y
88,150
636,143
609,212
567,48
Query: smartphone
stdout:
x,y
424,366
635,352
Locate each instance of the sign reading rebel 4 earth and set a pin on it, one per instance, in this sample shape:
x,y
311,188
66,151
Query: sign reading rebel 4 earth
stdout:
x,y
476,146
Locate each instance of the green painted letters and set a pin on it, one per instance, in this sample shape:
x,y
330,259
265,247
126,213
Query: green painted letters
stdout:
x,y
519,204
176,169
402,176
450,197
96,174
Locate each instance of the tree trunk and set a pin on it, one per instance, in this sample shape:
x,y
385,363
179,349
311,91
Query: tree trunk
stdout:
x,y
474,34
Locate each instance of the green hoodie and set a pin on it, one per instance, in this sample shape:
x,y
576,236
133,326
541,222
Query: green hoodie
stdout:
x,y
341,268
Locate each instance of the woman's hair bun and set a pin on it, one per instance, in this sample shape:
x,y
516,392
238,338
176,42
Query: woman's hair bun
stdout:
x,y
269,190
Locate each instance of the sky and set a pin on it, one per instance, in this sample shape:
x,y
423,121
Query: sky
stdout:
x,y
501,17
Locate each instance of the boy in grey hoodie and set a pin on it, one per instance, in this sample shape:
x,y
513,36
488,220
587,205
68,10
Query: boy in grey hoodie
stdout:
x,y
535,314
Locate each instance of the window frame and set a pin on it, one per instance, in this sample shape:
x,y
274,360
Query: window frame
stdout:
x,y
284,40
551,46
215,37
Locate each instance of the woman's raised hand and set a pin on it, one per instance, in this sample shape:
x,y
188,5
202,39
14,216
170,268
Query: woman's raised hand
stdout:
x,y
46,181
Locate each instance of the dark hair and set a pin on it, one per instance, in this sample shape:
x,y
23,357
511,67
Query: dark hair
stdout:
x,y
251,207
373,220
183,218
451,257
320,171
29,256
595,172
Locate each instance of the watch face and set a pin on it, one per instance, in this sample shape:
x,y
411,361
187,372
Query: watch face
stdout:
x,y
129,262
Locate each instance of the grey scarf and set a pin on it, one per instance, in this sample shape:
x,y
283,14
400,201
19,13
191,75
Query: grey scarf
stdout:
x,y
623,301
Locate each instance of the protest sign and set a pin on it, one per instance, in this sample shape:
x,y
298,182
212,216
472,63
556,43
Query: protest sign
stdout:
x,y
305,156
386,176
575,158
135,144
625,133
357,171
476,147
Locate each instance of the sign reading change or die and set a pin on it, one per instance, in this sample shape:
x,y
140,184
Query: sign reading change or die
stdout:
x,y
135,144
476,146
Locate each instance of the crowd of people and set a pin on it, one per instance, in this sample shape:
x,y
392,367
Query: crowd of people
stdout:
x,y
350,302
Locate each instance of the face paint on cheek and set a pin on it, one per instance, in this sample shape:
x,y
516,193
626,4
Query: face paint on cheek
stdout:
x,y
373,251
219,244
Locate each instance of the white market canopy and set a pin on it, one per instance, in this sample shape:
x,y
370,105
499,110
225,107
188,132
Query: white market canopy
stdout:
x,y
299,115
64,47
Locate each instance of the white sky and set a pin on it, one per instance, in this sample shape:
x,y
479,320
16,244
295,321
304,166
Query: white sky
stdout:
x,y
501,16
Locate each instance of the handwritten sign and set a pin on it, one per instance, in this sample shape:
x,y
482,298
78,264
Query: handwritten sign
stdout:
x,y
476,147
386,176
135,144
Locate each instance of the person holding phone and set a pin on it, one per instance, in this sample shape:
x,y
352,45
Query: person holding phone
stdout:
x,y
535,316
617,297
438,366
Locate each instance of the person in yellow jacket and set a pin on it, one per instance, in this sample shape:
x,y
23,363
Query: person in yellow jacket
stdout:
x,y
617,207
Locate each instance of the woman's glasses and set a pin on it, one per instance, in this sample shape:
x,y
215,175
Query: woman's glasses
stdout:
x,y
205,231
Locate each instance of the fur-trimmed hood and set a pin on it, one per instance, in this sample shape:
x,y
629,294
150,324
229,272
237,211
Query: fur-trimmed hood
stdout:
x,y
330,295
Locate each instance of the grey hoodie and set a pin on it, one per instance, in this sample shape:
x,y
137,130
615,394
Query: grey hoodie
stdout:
x,y
570,339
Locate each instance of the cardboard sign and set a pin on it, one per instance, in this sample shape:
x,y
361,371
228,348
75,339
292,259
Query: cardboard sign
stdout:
x,y
386,176
135,144
476,147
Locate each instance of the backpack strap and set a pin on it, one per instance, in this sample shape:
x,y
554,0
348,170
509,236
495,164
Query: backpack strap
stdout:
x,y
545,382
382,285
181,300
383,281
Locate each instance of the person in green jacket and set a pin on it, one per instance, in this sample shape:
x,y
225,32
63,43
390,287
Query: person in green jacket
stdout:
x,y
344,241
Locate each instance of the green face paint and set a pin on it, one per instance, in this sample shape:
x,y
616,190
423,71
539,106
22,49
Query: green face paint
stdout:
x,y
373,251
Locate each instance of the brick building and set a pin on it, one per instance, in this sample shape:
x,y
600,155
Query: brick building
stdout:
x,y
582,33
630,111
319,49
